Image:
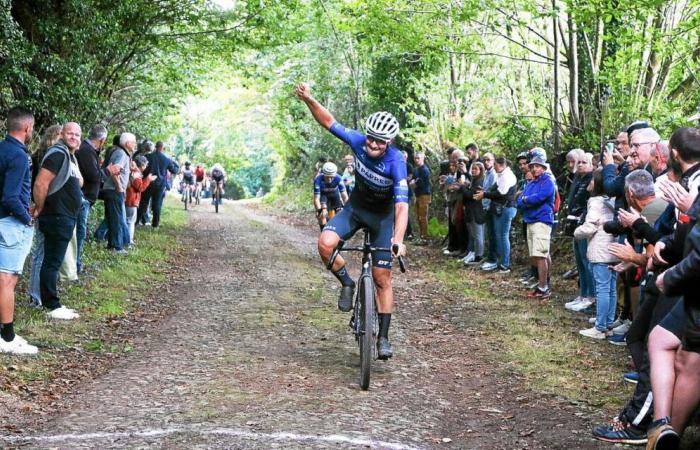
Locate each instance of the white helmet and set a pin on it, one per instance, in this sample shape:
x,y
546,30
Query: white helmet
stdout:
x,y
329,169
382,125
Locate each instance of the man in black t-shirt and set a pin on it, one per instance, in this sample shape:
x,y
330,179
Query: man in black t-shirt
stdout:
x,y
58,200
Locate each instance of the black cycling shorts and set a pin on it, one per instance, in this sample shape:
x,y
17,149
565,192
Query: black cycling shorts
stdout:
x,y
380,225
331,202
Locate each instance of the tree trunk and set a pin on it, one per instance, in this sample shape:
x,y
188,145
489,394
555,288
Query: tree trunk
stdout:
x,y
555,109
574,118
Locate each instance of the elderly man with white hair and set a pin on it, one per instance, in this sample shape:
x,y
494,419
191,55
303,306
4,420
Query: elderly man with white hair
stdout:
x,y
114,192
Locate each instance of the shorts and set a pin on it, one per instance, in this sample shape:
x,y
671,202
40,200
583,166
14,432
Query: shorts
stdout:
x,y
188,181
691,331
332,203
674,321
538,238
15,244
379,224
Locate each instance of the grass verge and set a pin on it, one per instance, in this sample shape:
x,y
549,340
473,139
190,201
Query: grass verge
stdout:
x,y
536,340
111,287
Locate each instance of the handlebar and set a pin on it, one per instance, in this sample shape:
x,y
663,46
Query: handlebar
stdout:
x,y
340,247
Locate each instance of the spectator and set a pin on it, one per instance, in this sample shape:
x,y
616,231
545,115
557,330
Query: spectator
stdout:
x,y
599,211
537,205
475,215
58,198
137,184
348,176
159,164
51,135
16,227
422,190
114,191
451,185
577,203
89,165
472,151
490,262
631,424
529,277
409,170
501,195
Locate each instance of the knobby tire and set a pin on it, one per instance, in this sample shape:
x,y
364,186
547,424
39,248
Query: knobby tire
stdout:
x,y
367,331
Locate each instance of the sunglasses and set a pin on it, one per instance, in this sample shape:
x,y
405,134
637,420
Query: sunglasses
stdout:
x,y
376,141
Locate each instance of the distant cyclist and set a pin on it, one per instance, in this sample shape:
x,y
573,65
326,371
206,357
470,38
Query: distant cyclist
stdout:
x,y
378,202
199,177
329,193
218,179
187,179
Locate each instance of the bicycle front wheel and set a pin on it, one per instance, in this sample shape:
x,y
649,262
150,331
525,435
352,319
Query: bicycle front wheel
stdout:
x,y
367,331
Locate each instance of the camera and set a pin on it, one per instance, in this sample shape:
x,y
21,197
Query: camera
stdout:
x,y
614,227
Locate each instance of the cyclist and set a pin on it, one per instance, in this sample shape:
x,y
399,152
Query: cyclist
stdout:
x,y
218,179
329,193
199,179
379,202
187,180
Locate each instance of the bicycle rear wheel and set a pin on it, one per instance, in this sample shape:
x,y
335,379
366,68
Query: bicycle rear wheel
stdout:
x,y
366,340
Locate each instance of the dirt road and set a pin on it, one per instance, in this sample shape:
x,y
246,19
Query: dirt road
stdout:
x,y
256,355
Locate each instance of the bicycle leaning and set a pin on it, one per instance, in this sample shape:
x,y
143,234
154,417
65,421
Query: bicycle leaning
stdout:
x,y
364,321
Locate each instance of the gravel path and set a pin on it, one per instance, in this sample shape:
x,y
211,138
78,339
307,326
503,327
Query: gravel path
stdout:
x,y
256,355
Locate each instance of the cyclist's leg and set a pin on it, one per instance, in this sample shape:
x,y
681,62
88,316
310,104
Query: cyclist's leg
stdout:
x,y
381,229
342,226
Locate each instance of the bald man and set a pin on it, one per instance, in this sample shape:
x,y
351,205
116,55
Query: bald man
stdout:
x,y
58,199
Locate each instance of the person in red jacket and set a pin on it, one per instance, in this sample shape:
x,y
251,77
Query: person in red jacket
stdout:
x,y
137,184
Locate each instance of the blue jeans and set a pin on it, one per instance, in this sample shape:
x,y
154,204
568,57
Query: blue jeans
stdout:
x,y
605,295
492,247
115,216
37,260
501,225
585,277
58,231
81,231
476,238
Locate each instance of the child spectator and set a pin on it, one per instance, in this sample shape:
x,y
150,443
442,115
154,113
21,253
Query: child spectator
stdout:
x,y
600,210
137,184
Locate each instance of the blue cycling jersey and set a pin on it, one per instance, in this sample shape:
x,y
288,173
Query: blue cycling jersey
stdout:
x,y
332,189
377,180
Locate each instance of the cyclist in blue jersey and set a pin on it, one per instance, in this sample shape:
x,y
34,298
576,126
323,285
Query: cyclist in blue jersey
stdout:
x,y
329,193
378,202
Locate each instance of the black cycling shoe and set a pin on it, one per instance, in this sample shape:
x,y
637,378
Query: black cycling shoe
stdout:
x,y
345,300
384,349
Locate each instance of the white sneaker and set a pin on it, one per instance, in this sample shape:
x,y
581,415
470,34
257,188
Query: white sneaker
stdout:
x,y
574,302
593,333
18,346
446,252
469,258
489,266
583,304
623,328
63,313
591,320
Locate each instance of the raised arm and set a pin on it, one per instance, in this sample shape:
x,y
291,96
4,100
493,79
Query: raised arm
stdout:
x,y
320,113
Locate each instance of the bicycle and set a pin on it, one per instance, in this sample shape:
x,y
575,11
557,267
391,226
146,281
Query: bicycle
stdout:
x,y
186,195
364,321
216,196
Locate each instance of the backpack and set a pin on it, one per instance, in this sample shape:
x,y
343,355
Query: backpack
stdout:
x,y
64,173
557,200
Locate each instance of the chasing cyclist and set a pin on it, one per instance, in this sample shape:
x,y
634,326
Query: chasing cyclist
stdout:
x,y
218,179
378,202
187,182
329,193
199,179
